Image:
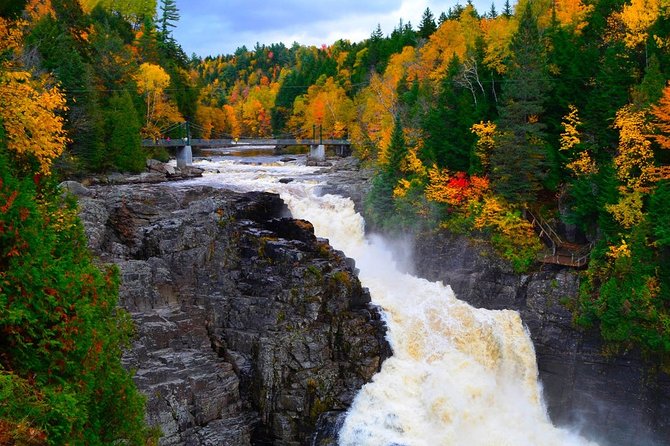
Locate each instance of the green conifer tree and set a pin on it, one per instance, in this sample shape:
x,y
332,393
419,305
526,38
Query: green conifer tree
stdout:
x,y
427,26
123,129
448,122
518,160
379,203
61,378
169,16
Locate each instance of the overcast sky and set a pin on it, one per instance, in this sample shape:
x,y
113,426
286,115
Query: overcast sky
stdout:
x,y
211,27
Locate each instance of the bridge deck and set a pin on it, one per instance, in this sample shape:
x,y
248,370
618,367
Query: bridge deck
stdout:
x,y
270,142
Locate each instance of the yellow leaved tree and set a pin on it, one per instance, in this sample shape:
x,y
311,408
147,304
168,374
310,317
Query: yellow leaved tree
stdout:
x,y
485,132
661,121
638,16
635,157
635,165
152,81
29,106
582,163
377,104
325,106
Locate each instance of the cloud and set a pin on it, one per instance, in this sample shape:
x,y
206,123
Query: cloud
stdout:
x,y
210,27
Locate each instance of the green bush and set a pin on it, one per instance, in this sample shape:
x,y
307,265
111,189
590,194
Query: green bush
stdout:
x,y
62,332
623,294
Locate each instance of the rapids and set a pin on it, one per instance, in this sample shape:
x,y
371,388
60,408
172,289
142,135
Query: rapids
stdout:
x,y
458,375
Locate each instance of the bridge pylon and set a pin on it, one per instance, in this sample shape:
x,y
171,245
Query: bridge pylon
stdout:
x,y
185,153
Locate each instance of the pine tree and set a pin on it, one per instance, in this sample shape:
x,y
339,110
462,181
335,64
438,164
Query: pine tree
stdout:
x,y
379,203
427,26
518,159
507,9
397,151
124,149
168,18
448,141
492,12
376,50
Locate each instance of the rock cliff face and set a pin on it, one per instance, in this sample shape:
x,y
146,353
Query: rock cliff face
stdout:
x,y
617,399
249,327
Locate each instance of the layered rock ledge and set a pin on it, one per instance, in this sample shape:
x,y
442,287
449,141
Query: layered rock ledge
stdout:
x,y
249,327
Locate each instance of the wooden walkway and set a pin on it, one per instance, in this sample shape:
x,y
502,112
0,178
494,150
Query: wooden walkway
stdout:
x,y
559,252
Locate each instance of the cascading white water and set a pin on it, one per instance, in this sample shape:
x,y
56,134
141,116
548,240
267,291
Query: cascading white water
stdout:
x,y
458,375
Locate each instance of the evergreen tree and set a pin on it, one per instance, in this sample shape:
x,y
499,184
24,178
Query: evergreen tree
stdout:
x,y
148,42
12,8
455,12
379,203
507,9
376,51
492,14
518,160
397,151
62,57
447,124
124,146
651,88
61,377
427,26
168,18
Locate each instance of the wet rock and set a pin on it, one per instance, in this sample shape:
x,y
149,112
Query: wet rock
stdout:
x,y
327,428
191,172
249,327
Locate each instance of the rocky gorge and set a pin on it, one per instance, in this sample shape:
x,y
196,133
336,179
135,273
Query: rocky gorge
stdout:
x,y
253,331
249,328
614,397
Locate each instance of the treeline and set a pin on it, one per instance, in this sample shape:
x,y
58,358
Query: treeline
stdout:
x,y
559,108
556,107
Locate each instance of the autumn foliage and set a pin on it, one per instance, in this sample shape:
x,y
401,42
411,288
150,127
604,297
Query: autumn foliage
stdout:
x,y
29,107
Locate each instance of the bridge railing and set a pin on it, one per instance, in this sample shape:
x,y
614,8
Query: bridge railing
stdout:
x,y
232,142
176,142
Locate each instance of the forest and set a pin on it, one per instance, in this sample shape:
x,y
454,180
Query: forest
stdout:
x,y
473,121
558,110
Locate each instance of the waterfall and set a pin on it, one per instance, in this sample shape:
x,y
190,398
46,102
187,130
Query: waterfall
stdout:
x,y
458,375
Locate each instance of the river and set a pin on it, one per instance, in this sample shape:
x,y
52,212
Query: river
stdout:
x,y
458,375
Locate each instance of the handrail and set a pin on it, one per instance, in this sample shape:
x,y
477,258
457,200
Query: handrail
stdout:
x,y
562,253
241,142
546,227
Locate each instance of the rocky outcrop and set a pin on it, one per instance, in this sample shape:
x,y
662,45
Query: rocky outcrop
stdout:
x,y
349,179
616,398
249,327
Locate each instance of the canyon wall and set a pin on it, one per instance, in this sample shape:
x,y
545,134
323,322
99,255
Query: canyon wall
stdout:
x,y
616,398
249,328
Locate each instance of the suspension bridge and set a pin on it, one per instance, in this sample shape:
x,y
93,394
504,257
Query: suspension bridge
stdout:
x,y
179,137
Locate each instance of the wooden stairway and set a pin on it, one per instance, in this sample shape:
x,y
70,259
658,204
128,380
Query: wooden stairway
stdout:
x,y
559,252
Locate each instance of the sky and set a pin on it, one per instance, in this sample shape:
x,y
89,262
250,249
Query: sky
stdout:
x,y
212,27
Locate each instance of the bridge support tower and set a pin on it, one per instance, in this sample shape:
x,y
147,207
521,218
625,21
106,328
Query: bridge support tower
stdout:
x,y
317,152
184,156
